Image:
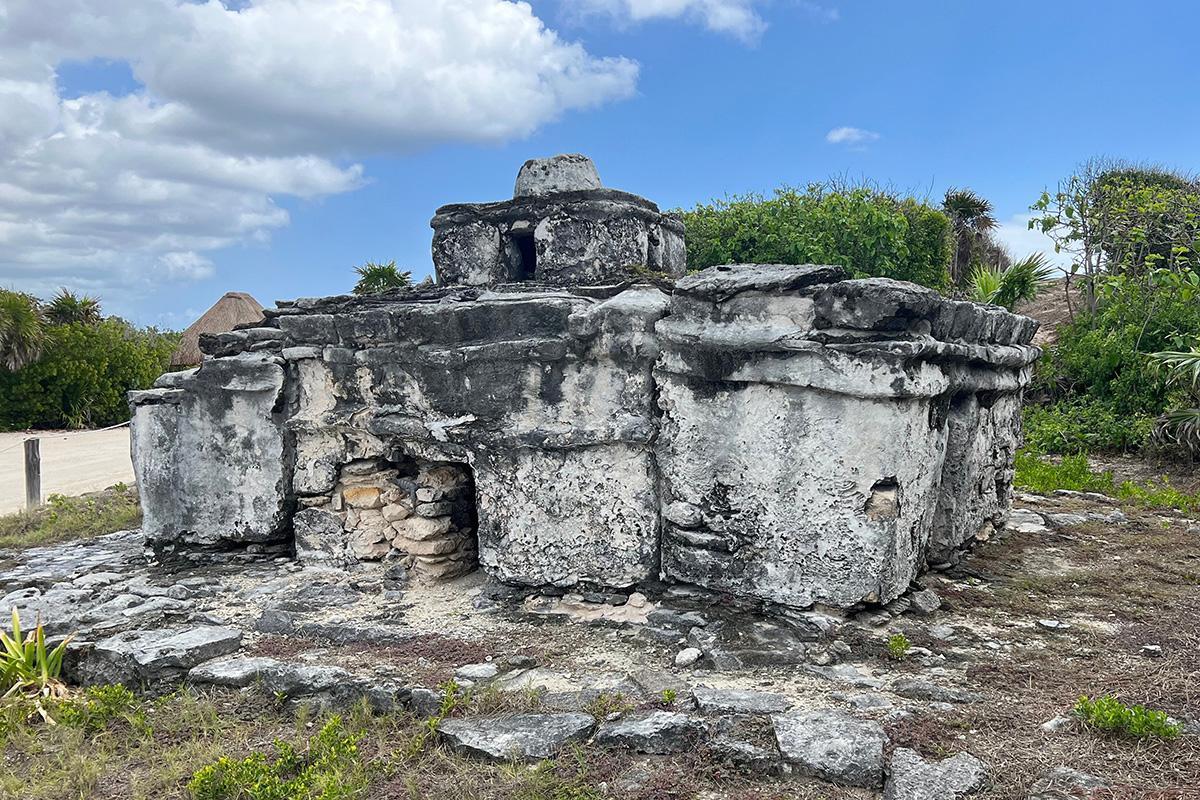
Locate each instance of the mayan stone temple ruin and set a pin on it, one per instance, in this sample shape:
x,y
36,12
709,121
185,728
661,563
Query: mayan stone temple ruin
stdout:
x,y
569,407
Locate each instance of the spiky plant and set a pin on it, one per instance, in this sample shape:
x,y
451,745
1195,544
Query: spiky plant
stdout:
x,y
1020,283
69,308
28,668
1181,426
22,330
377,278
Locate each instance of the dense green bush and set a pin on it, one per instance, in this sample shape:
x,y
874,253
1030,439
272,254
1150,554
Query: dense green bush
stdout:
x,y
1084,425
867,231
1100,387
82,376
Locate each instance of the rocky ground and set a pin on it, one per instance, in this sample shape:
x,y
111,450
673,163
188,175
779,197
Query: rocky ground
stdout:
x,y
1077,596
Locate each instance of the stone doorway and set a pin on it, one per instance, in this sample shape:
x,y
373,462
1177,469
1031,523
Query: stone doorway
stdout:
x,y
421,512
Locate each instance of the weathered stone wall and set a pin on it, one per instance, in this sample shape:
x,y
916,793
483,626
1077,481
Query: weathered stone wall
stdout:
x,y
805,430
209,455
779,432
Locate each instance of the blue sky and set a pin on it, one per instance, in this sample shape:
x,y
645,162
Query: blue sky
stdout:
x,y
682,101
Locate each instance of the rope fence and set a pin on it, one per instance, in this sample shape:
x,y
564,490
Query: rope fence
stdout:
x,y
33,459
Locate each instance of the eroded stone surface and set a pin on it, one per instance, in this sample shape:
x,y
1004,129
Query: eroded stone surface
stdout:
x,y
654,732
832,745
523,737
560,415
911,777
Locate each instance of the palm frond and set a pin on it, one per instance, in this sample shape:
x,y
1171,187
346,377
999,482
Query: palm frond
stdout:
x,y
1183,366
377,278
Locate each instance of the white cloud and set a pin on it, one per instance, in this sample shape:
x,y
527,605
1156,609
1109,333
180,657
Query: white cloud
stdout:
x,y
241,104
735,17
1020,241
851,136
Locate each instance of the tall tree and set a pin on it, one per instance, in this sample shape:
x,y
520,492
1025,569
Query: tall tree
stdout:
x,y
971,218
22,330
67,308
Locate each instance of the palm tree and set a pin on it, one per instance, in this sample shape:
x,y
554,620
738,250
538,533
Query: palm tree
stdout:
x,y
378,278
1019,283
971,218
67,308
1181,426
22,330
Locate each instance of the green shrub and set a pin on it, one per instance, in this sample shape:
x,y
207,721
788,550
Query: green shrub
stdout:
x,y
1105,356
98,707
82,376
330,769
898,646
869,232
1084,425
1109,714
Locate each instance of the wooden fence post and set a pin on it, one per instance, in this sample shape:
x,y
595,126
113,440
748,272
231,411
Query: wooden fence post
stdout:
x,y
33,474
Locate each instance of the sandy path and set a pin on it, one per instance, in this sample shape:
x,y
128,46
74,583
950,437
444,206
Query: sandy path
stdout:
x,y
73,462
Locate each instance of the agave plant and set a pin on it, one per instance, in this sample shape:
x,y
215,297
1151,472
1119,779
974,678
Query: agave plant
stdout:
x,y
28,668
377,278
1019,283
1181,426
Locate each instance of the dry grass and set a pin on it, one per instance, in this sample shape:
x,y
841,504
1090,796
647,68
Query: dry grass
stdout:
x,y
1120,586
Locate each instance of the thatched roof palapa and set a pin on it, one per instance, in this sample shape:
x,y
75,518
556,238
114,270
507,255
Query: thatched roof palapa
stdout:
x,y
235,308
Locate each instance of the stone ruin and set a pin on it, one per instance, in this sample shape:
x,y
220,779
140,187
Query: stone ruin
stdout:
x,y
567,408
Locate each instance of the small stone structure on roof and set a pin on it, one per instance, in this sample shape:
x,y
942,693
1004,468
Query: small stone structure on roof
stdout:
x,y
558,411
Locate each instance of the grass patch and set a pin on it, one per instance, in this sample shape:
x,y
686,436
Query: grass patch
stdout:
x,y
1110,715
1037,474
65,519
328,768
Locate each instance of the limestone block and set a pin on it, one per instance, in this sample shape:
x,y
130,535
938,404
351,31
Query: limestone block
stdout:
x,y
209,455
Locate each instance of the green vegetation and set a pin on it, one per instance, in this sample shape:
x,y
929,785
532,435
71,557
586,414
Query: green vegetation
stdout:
x,y
29,669
69,518
22,329
1181,426
667,698
1019,282
1132,232
870,232
378,278
898,646
972,222
1035,473
1110,715
64,366
607,703
329,768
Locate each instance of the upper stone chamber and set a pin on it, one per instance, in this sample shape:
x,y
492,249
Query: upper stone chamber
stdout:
x,y
776,432
561,228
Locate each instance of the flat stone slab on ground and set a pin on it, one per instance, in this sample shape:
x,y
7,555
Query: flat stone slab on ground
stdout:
x,y
911,777
739,701
832,745
525,737
151,655
655,732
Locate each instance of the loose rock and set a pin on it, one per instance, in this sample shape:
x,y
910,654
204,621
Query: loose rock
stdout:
x,y
832,745
911,777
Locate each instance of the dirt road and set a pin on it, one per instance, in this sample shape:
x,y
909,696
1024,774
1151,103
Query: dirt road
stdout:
x,y
73,462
